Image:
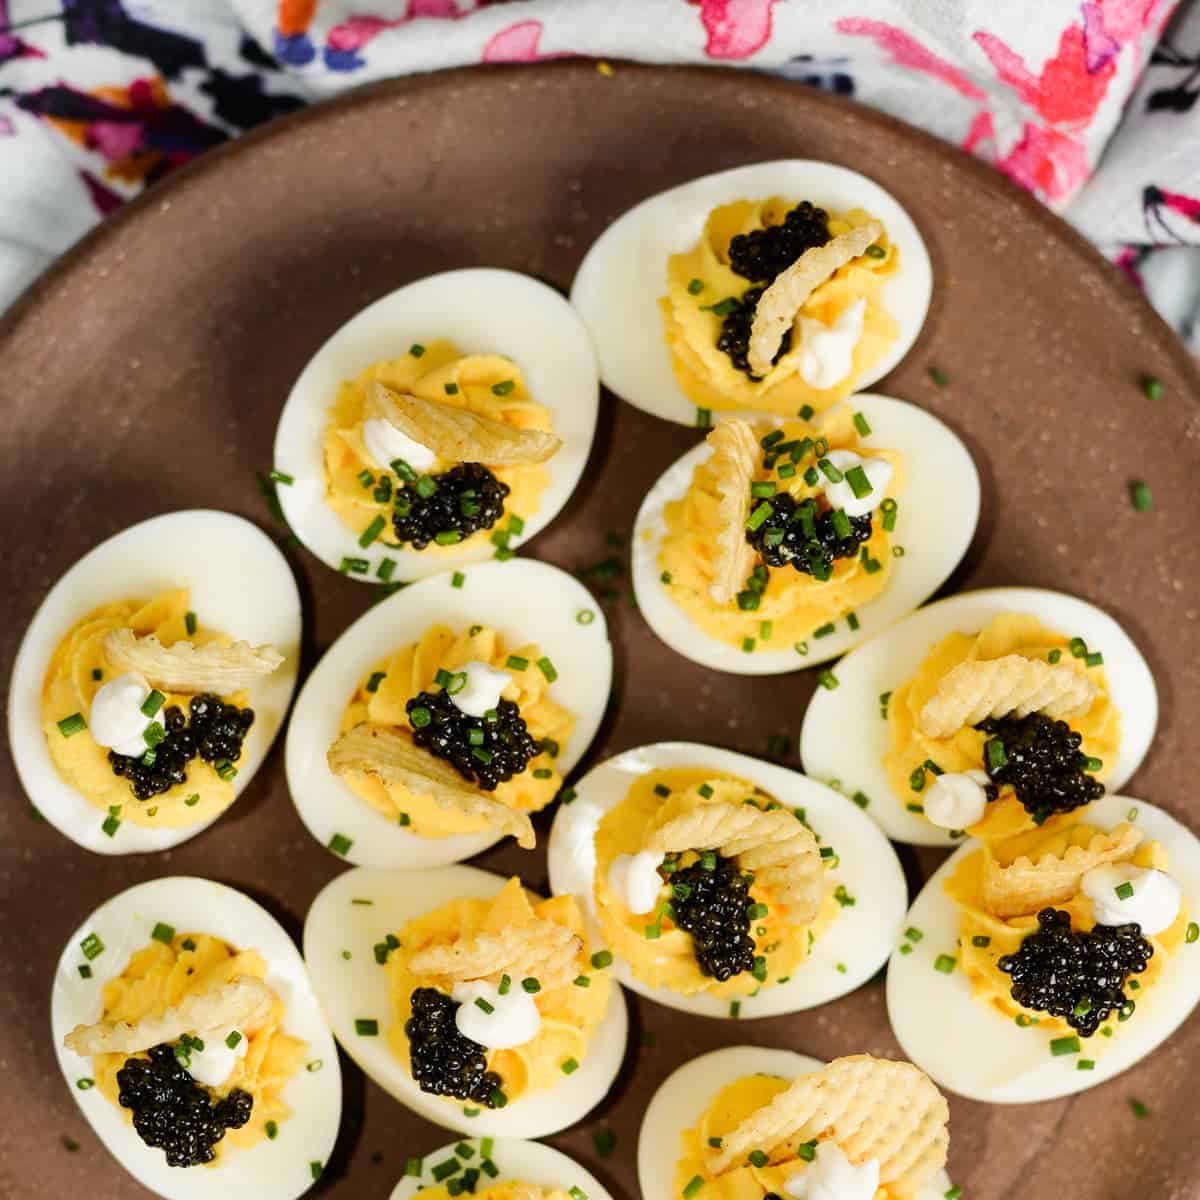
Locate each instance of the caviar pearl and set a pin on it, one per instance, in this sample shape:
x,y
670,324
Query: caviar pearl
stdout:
x,y
116,719
842,495
1121,893
957,801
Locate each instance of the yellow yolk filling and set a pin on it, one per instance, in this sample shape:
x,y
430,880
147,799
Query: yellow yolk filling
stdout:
x,y
794,605
668,959
158,977
733,1104
472,380
706,374
413,669
70,684
992,986
1013,633
569,1014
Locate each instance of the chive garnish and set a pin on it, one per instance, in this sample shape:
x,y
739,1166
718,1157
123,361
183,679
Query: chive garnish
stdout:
x,y
945,963
69,726
354,566
366,1027
1065,1045
547,669
862,425
340,844
939,376
1139,1109
569,1066
827,679
504,387
531,985
1152,387
377,677
1142,497
162,932
372,531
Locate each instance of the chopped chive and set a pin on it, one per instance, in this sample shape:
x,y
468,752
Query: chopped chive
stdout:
x,y
1152,387
377,677
162,932
827,679
582,981
444,1170
366,478
354,566
939,376
1095,659
193,800
916,781
420,717
759,515
1065,1045
1124,891
954,1193
860,421
807,1151
843,897
853,621
824,630
1193,933
735,1009
484,1006
875,251
69,726
85,972
366,1027
153,703
1139,1109
1054,656
569,1066
340,844
385,569
504,387
756,1158
806,412
531,985
860,485
748,644
110,825
832,473
372,531
995,754
547,668
1143,498
602,959
981,940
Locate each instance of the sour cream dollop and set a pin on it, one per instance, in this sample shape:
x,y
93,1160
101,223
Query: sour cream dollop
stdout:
x,y
957,801
841,495
214,1064
482,690
827,351
385,443
1154,902
832,1176
635,880
116,719
513,1020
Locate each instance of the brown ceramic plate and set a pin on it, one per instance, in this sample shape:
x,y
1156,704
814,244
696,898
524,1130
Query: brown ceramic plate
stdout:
x,y
145,373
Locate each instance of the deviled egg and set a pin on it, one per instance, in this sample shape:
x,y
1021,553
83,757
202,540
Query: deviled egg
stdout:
x,y
476,1003
444,424
1049,962
152,680
780,543
448,713
988,713
189,1034
725,886
498,1169
748,1122
768,288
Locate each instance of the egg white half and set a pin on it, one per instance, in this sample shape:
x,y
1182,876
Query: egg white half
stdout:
x,y
271,1170
968,1047
845,738
525,601
516,1161
483,311
619,282
686,1095
861,937
240,584
356,987
935,535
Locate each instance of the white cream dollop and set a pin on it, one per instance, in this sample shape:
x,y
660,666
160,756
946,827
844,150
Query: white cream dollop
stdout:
x,y
957,801
1154,904
513,1020
214,1064
116,719
827,351
841,495
635,880
482,690
832,1176
385,443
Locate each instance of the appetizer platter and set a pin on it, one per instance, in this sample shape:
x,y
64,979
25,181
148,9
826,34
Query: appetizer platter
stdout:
x,y
739,605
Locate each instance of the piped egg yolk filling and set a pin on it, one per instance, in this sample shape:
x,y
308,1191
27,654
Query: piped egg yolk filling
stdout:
x,y
911,751
569,1014
735,1103
383,692
79,667
985,938
793,607
660,953
359,489
162,974
701,283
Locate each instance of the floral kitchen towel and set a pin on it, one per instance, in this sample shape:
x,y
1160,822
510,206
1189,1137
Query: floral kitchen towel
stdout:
x,y
1087,104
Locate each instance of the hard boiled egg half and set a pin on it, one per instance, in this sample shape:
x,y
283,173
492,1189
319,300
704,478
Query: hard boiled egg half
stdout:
x,y
237,583
933,497
863,887
972,1048
847,731
688,1093
623,277
491,339
525,603
349,934
490,1167
156,921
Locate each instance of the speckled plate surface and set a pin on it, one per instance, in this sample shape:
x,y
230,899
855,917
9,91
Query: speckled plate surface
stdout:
x,y
146,373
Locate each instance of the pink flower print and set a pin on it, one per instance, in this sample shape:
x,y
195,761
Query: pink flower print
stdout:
x,y
1046,161
1128,261
1066,92
906,51
1099,46
736,28
982,129
517,44
115,139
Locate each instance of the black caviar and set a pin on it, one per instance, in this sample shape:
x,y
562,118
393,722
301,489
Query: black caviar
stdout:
x,y
711,901
173,1113
1041,759
444,1062
1077,976
448,508
212,729
800,533
487,750
762,254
